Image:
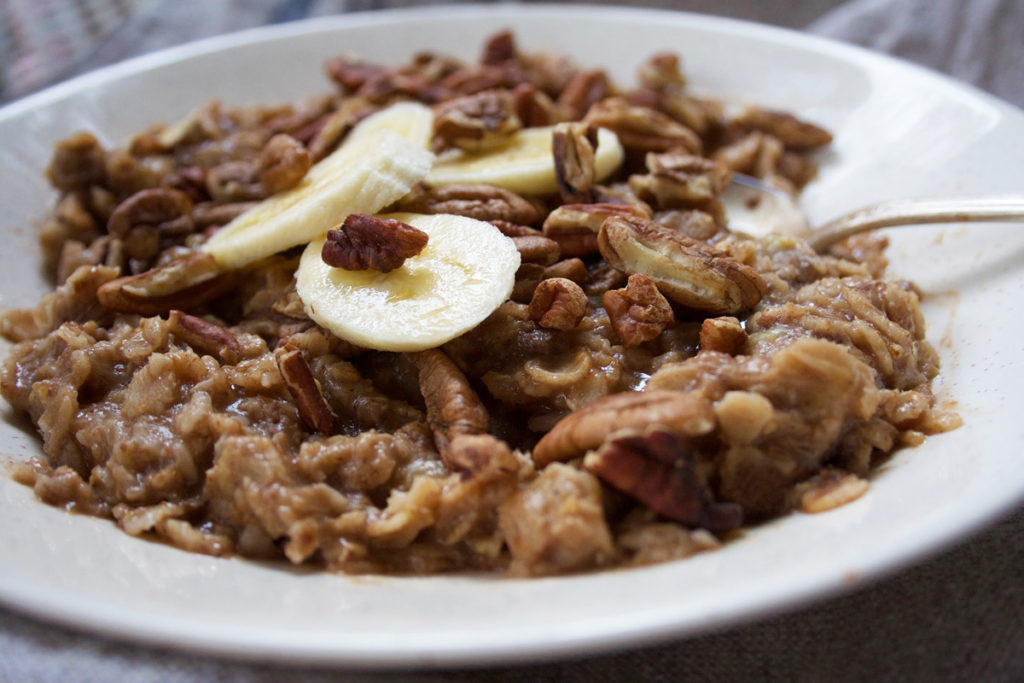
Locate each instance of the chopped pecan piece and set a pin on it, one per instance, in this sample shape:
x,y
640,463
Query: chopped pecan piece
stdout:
x,y
575,226
558,304
639,312
78,162
166,210
686,271
683,414
583,90
661,71
499,48
184,284
509,229
483,202
642,128
365,242
533,106
204,336
453,408
725,334
573,145
537,249
656,469
506,75
217,214
571,269
793,132
677,179
476,122
283,163
303,387
350,74
235,181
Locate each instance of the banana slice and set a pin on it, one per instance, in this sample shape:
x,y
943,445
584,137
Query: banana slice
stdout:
x,y
466,271
524,165
412,120
380,161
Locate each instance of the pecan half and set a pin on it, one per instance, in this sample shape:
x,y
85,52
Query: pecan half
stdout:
x,y
533,106
558,304
365,242
537,249
204,336
164,209
639,312
483,202
184,284
583,90
575,226
453,408
476,122
725,334
793,132
303,387
678,179
573,145
642,128
683,414
686,271
656,469
284,162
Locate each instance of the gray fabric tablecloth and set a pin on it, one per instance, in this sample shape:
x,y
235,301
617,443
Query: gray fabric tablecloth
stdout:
x,y
956,617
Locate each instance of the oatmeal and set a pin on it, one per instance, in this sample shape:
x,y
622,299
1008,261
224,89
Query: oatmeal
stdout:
x,y
641,381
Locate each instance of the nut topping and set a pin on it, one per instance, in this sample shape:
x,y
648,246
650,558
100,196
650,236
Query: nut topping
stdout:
x,y
184,284
642,128
365,242
537,249
682,414
724,334
303,387
686,271
656,469
453,408
476,122
165,209
583,90
575,226
283,163
203,336
639,312
558,304
678,179
793,132
573,145
482,202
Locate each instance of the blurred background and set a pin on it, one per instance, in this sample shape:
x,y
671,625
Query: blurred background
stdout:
x,y
46,41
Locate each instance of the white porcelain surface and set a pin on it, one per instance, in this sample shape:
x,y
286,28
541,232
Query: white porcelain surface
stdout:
x,y
900,131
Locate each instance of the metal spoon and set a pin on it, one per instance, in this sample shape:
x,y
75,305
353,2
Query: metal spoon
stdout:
x,y
757,209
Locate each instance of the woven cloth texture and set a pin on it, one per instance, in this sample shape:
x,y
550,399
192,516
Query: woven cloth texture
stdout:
x,y
955,617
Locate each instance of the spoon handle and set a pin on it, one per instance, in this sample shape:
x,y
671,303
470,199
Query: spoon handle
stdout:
x,y
918,212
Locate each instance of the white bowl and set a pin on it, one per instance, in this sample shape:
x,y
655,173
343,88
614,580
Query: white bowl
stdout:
x,y
900,131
